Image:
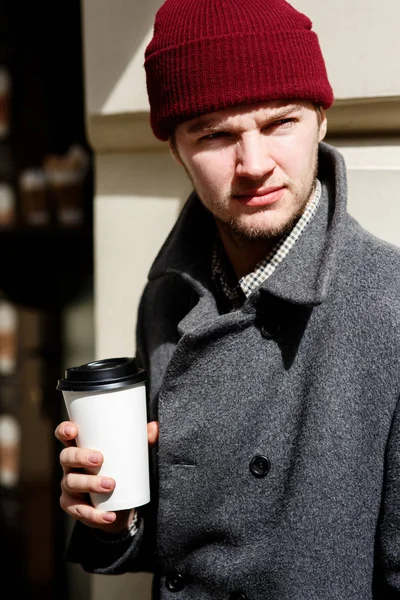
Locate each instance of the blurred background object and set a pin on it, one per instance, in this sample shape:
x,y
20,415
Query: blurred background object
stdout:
x,y
7,205
8,337
54,193
34,205
10,440
46,280
5,102
66,179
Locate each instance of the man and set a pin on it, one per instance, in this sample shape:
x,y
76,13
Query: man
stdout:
x,y
270,330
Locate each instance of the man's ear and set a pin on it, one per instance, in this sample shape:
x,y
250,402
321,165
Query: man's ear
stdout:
x,y
174,151
323,125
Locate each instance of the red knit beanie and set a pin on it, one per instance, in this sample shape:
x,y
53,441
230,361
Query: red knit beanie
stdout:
x,y
206,55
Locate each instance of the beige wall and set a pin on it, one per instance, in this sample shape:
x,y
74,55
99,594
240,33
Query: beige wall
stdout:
x,y
360,42
139,197
374,183
115,35
139,189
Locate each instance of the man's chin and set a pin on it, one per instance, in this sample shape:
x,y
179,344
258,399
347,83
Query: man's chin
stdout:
x,y
259,230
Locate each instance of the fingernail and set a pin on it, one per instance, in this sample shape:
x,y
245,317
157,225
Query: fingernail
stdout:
x,y
109,517
68,431
107,484
94,458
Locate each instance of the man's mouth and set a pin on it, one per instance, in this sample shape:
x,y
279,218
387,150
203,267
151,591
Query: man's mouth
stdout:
x,y
261,197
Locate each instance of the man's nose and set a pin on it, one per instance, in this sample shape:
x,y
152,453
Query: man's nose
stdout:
x,y
254,159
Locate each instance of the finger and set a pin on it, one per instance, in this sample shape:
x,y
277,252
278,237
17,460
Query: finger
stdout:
x,y
78,509
66,432
152,432
72,458
85,483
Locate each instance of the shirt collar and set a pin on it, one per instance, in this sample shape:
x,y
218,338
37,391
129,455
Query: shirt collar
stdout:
x,y
222,273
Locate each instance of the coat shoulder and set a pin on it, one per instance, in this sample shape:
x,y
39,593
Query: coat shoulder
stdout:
x,y
374,265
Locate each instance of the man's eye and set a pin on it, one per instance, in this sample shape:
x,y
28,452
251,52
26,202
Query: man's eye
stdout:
x,y
283,123
214,136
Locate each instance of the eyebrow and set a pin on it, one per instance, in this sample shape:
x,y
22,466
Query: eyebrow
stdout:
x,y
207,123
204,124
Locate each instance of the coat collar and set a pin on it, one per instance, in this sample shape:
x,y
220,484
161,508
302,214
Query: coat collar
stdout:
x,y
305,274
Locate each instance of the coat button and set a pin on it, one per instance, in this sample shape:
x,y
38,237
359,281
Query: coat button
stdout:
x,y
270,331
260,466
174,582
237,596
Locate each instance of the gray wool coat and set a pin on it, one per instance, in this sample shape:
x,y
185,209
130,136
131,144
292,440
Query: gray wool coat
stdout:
x,y
277,472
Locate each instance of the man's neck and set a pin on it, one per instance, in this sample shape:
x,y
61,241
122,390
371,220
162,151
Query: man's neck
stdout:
x,y
243,254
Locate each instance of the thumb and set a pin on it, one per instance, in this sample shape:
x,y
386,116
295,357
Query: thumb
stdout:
x,y
152,432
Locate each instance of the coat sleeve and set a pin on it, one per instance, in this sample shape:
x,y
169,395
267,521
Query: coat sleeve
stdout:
x,y
105,557
388,539
136,554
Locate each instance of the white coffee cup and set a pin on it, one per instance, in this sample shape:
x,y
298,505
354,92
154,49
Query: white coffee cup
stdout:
x,y
106,399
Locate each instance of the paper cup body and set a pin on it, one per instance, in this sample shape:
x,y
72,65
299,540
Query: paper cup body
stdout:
x,y
115,423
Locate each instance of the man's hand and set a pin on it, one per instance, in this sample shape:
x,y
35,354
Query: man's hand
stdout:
x,y
80,466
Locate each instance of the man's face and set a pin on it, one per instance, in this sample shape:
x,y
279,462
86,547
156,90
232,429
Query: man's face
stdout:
x,y
253,167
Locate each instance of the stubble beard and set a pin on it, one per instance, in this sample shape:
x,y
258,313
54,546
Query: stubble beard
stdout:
x,y
244,235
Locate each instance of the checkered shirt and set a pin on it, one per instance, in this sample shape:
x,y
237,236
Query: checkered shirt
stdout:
x,y
236,291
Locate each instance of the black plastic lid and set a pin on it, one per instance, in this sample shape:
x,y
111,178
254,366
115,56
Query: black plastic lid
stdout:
x,y
106,374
